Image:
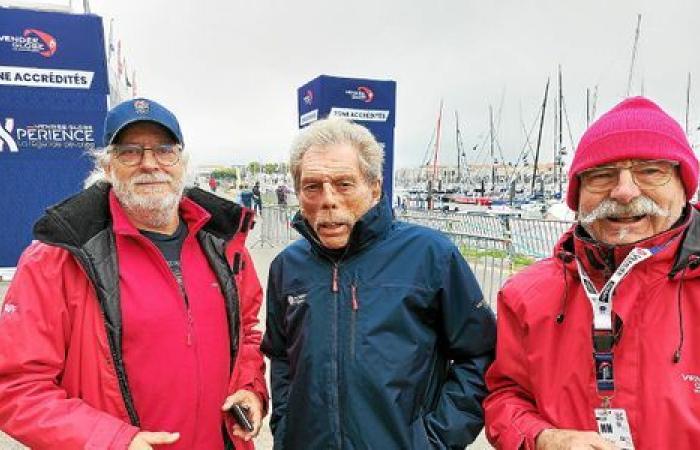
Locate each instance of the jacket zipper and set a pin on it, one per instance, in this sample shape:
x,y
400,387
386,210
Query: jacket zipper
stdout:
x,y
335,397
355,304
334,282
191,340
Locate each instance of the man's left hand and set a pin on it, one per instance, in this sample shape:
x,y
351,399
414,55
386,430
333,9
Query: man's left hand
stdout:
x,y
251,403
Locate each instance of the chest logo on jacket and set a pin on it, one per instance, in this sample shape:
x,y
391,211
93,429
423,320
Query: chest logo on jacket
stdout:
x,y
694,379
8,309
296,299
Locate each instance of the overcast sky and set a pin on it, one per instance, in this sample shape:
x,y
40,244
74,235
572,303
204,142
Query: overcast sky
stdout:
x,y
230,69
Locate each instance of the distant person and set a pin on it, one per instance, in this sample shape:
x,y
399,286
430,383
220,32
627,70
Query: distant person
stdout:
x,y
129,324
213,184
246,197
599,345
281,193
377,331
257,198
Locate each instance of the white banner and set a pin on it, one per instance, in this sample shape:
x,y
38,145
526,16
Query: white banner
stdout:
x,y
51,78
361,115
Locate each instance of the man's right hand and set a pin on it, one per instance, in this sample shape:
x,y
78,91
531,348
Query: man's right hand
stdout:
x,y
556,439
145,440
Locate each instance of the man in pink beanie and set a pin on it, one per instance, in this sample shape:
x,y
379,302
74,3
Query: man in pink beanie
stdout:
x,y
598,346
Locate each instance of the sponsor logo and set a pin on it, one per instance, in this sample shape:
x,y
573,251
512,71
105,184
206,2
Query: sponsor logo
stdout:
x,y
296,299
46,136
308,117
362,93
9,309
6,135
142,106
33,41
361,115
694,380
309,97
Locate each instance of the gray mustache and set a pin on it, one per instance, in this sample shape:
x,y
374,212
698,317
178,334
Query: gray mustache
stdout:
x,y
640,206
150,178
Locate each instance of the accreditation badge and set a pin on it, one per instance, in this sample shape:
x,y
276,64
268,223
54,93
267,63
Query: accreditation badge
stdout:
x,y
613,426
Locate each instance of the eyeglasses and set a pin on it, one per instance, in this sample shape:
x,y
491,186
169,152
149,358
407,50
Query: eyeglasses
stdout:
x,y
132,154
646,175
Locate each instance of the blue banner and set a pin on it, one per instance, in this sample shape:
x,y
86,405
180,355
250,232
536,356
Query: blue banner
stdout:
x,y
43,51
53,99
371,103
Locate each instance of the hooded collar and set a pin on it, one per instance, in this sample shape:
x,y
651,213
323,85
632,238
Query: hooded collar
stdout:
x,y
372,226
600,260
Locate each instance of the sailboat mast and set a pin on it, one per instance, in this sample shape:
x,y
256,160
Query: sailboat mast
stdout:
x,y
687,107
588,107
493,160
555,129
459,151
539,137
557,160
595,102
437,146
634,55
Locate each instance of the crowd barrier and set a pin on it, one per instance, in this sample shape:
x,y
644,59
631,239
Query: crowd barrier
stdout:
x,y
273,226
494,246
517,236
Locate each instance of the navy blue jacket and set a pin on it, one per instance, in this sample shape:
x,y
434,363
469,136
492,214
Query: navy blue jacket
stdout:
x,y
384,347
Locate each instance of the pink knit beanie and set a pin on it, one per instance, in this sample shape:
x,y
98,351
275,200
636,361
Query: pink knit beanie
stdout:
x,y
634,129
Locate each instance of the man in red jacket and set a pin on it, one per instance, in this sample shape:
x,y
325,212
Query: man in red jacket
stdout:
x,y
129,323
598,346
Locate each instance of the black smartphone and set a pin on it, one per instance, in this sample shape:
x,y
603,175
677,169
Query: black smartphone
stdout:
x,y
241,418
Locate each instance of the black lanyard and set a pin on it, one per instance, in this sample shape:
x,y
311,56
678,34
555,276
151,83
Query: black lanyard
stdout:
x,y
601,301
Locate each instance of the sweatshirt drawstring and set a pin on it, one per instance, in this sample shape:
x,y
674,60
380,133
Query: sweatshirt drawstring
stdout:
x,y
693,262
565,259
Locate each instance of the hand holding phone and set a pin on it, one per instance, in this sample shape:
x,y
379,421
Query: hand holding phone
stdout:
x,y
241,418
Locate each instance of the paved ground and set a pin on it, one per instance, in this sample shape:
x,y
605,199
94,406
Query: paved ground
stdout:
x,y
262,258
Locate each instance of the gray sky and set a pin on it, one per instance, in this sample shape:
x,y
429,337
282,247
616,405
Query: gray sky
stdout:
x,y
230,69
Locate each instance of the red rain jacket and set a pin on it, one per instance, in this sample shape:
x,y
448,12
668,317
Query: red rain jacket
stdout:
x,y
59,388
543,375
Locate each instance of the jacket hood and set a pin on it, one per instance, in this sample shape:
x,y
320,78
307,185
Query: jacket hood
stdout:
x,y
76,220
371,226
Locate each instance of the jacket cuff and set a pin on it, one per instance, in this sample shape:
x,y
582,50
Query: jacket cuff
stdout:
x,y
531,431
124,438
104,436
258,388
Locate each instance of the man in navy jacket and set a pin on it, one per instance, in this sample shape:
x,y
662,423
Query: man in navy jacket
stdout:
x,y
377,330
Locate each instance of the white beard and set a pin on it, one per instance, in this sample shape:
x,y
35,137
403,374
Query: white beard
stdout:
x,y
153,210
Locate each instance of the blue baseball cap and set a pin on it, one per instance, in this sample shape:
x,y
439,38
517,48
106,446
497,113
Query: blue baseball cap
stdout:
x,y
139,110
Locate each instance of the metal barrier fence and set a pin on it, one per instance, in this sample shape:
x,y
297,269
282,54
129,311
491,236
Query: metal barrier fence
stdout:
x,y
518,236
535,237
273,226
491,244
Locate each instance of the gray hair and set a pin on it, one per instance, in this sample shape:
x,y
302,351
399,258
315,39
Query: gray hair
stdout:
x,y
102,156
333,131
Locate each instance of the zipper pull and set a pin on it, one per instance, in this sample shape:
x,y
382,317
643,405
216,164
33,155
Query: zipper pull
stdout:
x,y
355,302
190,326
335,278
